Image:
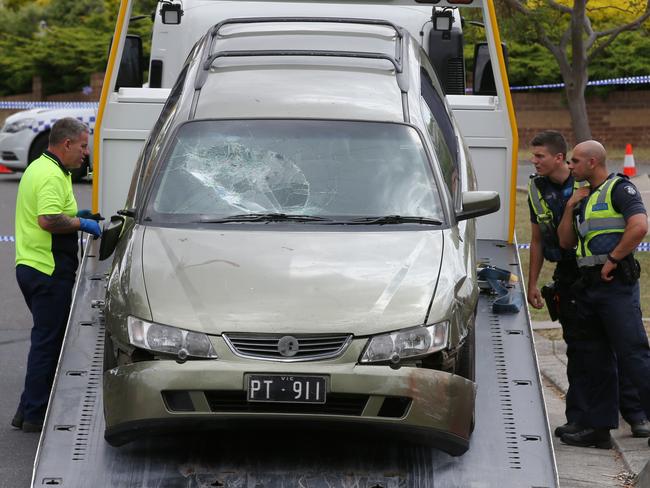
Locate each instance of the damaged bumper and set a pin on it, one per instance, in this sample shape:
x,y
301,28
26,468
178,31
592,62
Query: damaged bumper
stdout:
x,y
422,405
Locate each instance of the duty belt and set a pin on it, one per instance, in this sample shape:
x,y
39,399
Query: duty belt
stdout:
x,y
594,260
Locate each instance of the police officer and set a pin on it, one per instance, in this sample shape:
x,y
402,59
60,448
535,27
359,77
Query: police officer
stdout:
x,y
46,259
606,221
548,191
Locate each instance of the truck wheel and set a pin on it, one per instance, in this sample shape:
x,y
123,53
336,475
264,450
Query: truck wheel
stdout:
x,y
38,146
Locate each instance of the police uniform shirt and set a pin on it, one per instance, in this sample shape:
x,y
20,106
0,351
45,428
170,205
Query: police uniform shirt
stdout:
x,y
46,189
555,195
626,200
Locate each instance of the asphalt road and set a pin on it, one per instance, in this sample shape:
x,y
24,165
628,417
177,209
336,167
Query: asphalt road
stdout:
x,y
17,449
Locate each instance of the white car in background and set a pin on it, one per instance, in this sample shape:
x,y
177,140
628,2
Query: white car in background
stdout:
x,y
24,135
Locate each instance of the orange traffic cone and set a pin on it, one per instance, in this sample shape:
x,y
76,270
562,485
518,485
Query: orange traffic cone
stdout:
x,y
629,169
4,170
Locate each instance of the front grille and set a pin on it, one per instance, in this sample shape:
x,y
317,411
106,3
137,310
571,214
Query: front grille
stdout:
x,y
336,404
268,346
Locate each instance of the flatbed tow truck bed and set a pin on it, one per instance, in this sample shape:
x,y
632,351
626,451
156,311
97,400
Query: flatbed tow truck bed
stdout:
x,y
510,447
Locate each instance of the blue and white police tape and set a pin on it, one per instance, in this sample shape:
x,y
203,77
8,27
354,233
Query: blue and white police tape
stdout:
x,y
625,80
644,246
26,104
7,239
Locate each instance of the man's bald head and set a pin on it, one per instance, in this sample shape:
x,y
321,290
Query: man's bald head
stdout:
x,y
589,162
593,150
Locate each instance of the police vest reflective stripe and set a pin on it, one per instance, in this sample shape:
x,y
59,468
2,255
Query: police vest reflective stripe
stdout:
x,y
544,215
599,218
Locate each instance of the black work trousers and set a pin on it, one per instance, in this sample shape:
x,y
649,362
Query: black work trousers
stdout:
x,y
48,299
614,308
586,346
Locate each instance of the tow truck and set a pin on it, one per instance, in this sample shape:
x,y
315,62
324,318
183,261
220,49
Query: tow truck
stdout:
x,y
511,443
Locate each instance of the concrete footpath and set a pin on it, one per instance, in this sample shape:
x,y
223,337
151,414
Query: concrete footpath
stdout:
x,y
588,467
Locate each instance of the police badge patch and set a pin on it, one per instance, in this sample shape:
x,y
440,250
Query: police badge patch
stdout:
x,y
630,190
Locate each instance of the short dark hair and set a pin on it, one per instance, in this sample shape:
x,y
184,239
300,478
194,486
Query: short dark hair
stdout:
x,y
552,140
66,128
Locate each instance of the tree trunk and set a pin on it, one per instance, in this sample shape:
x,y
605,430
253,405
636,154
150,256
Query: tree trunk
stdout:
x,y
575,82
578,111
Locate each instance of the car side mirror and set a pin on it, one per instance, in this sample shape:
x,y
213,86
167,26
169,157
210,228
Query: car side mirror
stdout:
x,y
111,236
477,203
483,74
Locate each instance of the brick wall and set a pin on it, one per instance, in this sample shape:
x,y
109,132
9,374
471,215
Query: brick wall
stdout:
x,y
616,119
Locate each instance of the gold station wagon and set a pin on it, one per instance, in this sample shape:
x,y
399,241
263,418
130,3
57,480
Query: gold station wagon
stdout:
x,y
298,245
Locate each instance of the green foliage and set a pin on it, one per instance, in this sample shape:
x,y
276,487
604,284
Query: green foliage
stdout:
x,y
15,65
532,64
73,43
80,51
69,13
628,55
23,22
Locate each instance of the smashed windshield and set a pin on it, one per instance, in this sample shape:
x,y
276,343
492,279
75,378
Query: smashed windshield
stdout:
x,y
338,169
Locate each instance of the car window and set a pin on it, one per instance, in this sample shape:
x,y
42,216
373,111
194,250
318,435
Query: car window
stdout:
x,y
443,136
304,167
164,119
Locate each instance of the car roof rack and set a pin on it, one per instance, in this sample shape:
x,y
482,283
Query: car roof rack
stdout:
x,y
397,60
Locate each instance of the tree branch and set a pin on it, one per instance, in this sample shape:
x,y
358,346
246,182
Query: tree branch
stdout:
x,y
566,37
608,7
614,33
518,6
561,8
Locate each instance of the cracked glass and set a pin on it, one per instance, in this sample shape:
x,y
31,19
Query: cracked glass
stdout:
x,y
338,169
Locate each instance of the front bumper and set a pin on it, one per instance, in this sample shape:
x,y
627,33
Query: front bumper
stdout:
x,y
14,149
437,410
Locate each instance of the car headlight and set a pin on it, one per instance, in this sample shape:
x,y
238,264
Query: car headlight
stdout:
x,y
169,340
406,343
19,125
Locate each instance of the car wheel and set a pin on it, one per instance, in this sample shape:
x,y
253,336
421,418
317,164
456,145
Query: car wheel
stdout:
x,y
38,146
110,361
79,173
465,365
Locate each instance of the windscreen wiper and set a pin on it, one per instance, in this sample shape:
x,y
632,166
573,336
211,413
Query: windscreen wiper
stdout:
x,y
394,219
263,217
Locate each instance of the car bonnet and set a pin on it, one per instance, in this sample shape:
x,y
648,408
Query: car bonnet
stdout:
x,y
223,280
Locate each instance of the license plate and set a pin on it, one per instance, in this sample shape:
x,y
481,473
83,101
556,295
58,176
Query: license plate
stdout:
x,y
286,388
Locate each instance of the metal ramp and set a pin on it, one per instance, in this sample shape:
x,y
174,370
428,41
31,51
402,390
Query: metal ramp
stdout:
x,y
510,447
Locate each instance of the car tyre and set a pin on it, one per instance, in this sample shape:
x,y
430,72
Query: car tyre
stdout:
x,y
81,172
38,147
110,361
465,366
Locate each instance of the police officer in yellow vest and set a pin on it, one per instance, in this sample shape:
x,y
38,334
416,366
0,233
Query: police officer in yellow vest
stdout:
x,y
548,191
607,221
47,221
